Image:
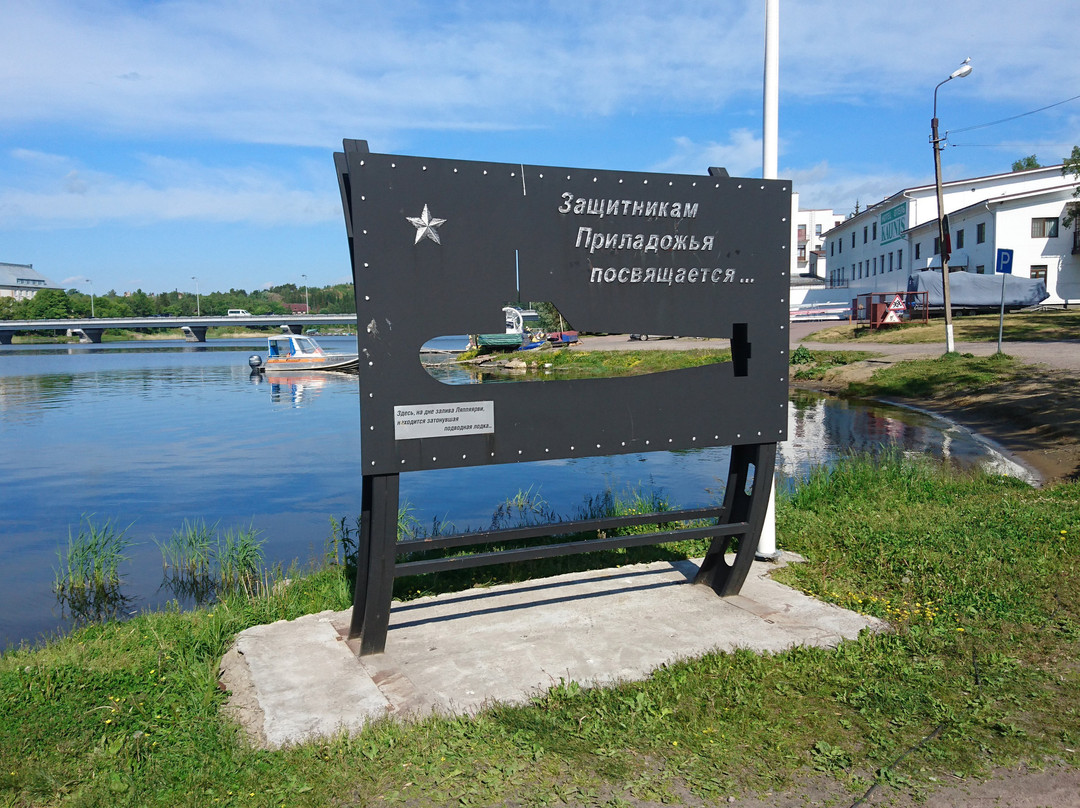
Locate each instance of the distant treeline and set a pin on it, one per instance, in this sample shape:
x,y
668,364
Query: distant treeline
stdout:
x,y
50,304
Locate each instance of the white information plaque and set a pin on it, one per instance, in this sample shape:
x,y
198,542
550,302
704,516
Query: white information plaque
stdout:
x,y
444,420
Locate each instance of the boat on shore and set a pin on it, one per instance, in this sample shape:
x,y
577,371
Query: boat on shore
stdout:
x,y
289,353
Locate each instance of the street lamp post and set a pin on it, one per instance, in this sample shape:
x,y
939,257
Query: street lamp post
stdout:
x,y
307,306
198,304
91,283
943,246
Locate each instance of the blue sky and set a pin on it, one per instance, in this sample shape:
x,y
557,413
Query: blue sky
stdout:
x,y
143,143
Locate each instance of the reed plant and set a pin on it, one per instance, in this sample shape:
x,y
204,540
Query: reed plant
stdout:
x,y
240,558
189,551
87,583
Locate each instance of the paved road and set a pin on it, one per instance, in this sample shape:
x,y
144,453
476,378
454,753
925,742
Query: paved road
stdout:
x,y
1063,355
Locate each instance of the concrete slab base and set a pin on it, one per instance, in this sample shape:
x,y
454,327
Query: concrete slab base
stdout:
x,y
294,681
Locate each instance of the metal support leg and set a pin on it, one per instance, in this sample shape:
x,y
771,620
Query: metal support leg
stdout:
x,y
740,505
375,563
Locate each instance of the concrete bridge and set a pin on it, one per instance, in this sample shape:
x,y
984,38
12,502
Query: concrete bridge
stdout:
x,y
194,328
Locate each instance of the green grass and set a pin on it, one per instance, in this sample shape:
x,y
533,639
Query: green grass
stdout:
x,y
980,575
584,364
810,365
1028,326
950,373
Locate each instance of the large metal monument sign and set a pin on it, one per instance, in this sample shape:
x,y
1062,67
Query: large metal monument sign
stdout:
x,y
440,246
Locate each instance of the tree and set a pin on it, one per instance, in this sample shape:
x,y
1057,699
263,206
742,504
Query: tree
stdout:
x,y
1026,163
1071,165
49,304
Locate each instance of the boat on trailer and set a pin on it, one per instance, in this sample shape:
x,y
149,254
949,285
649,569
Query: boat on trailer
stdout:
x,y
292,352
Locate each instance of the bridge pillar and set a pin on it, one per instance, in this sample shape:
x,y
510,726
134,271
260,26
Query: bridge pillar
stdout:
x,y
194,333
87,334
292,328
5,337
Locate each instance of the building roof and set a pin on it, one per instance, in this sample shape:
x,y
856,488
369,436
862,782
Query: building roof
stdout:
x,y
24,276
917,190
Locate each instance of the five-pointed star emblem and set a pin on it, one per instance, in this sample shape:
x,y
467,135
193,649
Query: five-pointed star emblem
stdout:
x,y
425,225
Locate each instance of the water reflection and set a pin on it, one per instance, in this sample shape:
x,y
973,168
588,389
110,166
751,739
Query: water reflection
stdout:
x,y
300,389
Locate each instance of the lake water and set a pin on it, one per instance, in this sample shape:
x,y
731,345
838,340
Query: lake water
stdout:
x,y
150,434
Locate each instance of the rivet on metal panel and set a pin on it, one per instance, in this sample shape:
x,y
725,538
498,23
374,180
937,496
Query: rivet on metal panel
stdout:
x,y
363,199
594,179
393,165
739,186
423,168
541,176
364,232
455,171
571,448
485,172
646,182
646,443
361,162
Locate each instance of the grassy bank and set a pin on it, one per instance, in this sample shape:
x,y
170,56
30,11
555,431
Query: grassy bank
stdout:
x,y
979,575
1027,326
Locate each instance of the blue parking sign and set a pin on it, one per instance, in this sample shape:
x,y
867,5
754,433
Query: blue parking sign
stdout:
x,y
1004,262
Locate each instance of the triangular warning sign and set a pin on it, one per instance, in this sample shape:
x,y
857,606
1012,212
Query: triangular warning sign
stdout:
x,y
897,303
891,317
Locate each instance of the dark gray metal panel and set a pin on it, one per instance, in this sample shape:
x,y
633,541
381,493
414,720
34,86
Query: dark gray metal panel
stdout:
x,y
417,277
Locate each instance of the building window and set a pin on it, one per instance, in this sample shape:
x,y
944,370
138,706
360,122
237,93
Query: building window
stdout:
x,y
959,239
852,239
899,259
1038,272
874,235
980,233
832,248
802,253
918,249
840,245
875,265
980,269
890,262
865,230
937,245
1044,228
817,230
802,232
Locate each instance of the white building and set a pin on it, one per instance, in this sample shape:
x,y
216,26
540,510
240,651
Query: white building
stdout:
x,y
878,249
22,281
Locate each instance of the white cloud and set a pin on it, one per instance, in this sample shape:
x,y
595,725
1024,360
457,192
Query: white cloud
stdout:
x,y
741,155
303,74
168,190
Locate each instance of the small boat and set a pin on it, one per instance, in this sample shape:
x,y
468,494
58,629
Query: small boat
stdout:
x,y
290,352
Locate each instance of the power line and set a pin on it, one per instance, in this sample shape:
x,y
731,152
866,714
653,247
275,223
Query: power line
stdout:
x,y
1014,117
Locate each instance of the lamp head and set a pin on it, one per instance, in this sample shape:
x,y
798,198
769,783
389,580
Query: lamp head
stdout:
x,y
962,71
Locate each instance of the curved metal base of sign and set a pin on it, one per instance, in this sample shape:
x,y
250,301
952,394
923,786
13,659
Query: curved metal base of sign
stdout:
x,y
740,517
742,506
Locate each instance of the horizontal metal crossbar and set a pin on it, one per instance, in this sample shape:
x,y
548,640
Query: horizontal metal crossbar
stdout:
x,y
566,548
555,529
